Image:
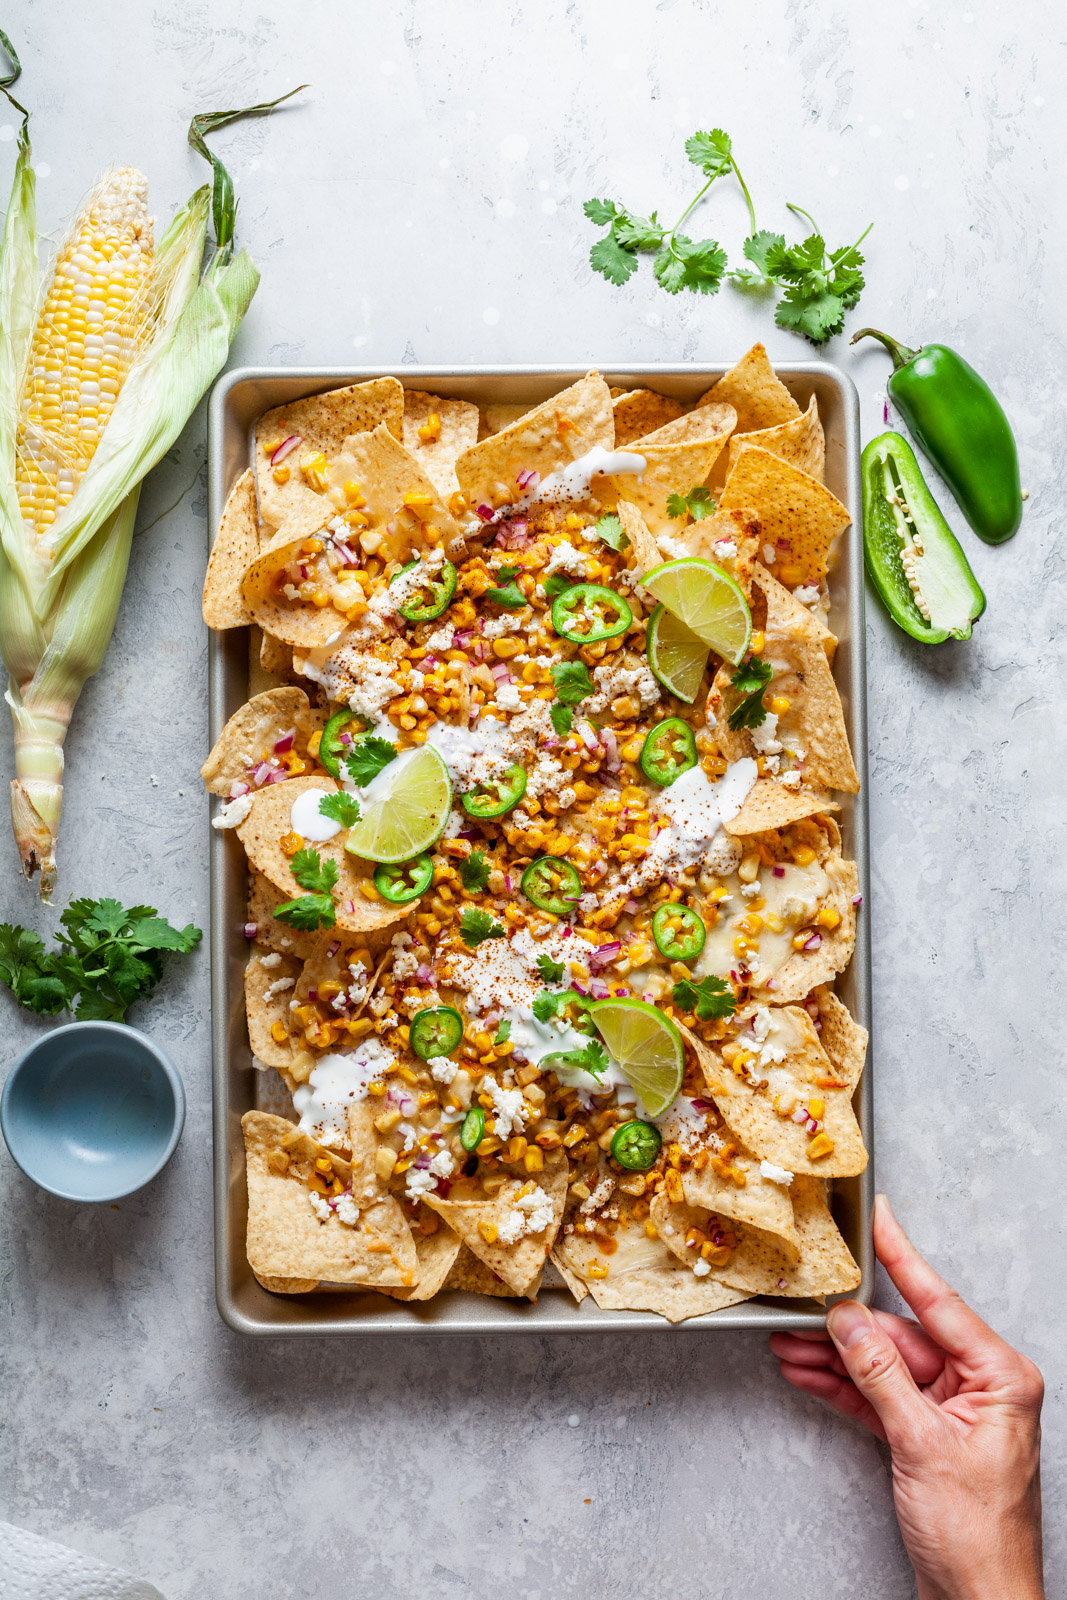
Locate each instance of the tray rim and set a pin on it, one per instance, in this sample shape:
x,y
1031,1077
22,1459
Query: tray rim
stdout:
x,y
466,1314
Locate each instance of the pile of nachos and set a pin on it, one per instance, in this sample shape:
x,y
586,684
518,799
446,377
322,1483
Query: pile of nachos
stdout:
x,y
547,898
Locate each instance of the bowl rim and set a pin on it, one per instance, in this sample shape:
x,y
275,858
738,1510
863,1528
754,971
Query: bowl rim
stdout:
x,y
39,1049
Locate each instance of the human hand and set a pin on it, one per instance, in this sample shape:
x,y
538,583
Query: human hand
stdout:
x,y
959,1409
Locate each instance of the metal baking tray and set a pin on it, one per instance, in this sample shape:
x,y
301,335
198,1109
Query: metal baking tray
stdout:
x,y
237,401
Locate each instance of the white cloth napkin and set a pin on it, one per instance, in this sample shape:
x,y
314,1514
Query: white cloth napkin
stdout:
x,y
32,1568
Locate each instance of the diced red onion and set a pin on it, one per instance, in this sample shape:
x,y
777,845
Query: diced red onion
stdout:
x,y
507,883
332,949
303,570
423,973
814,942
261,774
285,447
551,743
427,661
346,737
347,554
479,650
500,671
486,513
566,932
423,1161
588,737
463,638
784,544
779,872
313,995
350,907
469,833
528,479
250,930
285,743
577,987
799,1115
857,899
811,1007
276,775
604,956
237,789
631,906
770,984
702,1105
599,989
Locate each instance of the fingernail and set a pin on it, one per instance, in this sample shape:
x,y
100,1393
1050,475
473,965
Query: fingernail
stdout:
x,y
849,1323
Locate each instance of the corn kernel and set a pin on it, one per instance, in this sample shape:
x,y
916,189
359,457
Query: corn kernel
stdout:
x,y
820,1146
650,1229
756,643
803,855
280,474
386,1120
505,648
353,493
817,1108
430,431
828,917
780,704
488,1231
748,871
533,1159
291,843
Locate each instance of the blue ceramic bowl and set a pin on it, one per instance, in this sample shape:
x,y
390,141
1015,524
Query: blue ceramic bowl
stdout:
x,y
92,1111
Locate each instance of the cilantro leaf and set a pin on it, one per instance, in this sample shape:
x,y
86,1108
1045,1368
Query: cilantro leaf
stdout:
x,y
551,1003
556,583
638,233
503,1032
505,574
818,317
610,259
551,971
690,264
510,597
601,212
697,504
756,247
611,530
562,718
476,925
594,1059
750,680
474,871
818,285
307,913
572,680
367,757
312,873
706,997
712,151
340,807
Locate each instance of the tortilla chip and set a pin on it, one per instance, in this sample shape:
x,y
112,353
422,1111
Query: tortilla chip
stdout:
x,y
760,1203
286,1285
841,1036
459,430
495,418
823,1264
537,442
679,457
323,422
436,1254
471,1276
262,899
287,1240
236,544
816,719
577,1286
258,725
275,656
295,622
753,1118
261,833
518,1264
641,411
264,1012
807,968
755,391
673,1292
797,514
386,472
642,545
710,539
800,441
771,805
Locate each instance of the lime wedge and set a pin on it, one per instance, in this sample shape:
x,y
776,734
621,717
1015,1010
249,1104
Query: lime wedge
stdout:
x,y
404,808
675,654
707,600
647,1046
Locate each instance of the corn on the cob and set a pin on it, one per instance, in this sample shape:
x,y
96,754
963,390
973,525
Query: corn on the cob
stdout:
x,y
93,391
95,319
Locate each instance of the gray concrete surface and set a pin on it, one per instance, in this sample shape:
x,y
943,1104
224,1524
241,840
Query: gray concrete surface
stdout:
x,y
423,203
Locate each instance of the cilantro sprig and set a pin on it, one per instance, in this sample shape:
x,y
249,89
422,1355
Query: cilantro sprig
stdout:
x,y
367,757
510,596
572,680
697,504
706,997
750,680
818,285
474,872
476,925
551,971
316,908
680,262
108,957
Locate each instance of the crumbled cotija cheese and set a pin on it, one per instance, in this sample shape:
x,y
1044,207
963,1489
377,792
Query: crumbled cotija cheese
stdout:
x,y
443,1068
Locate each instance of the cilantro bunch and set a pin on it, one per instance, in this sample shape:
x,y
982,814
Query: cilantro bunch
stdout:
x,y
108,957
816,285
316,908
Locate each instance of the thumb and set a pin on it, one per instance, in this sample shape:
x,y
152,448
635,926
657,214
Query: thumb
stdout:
x,y
877,1368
